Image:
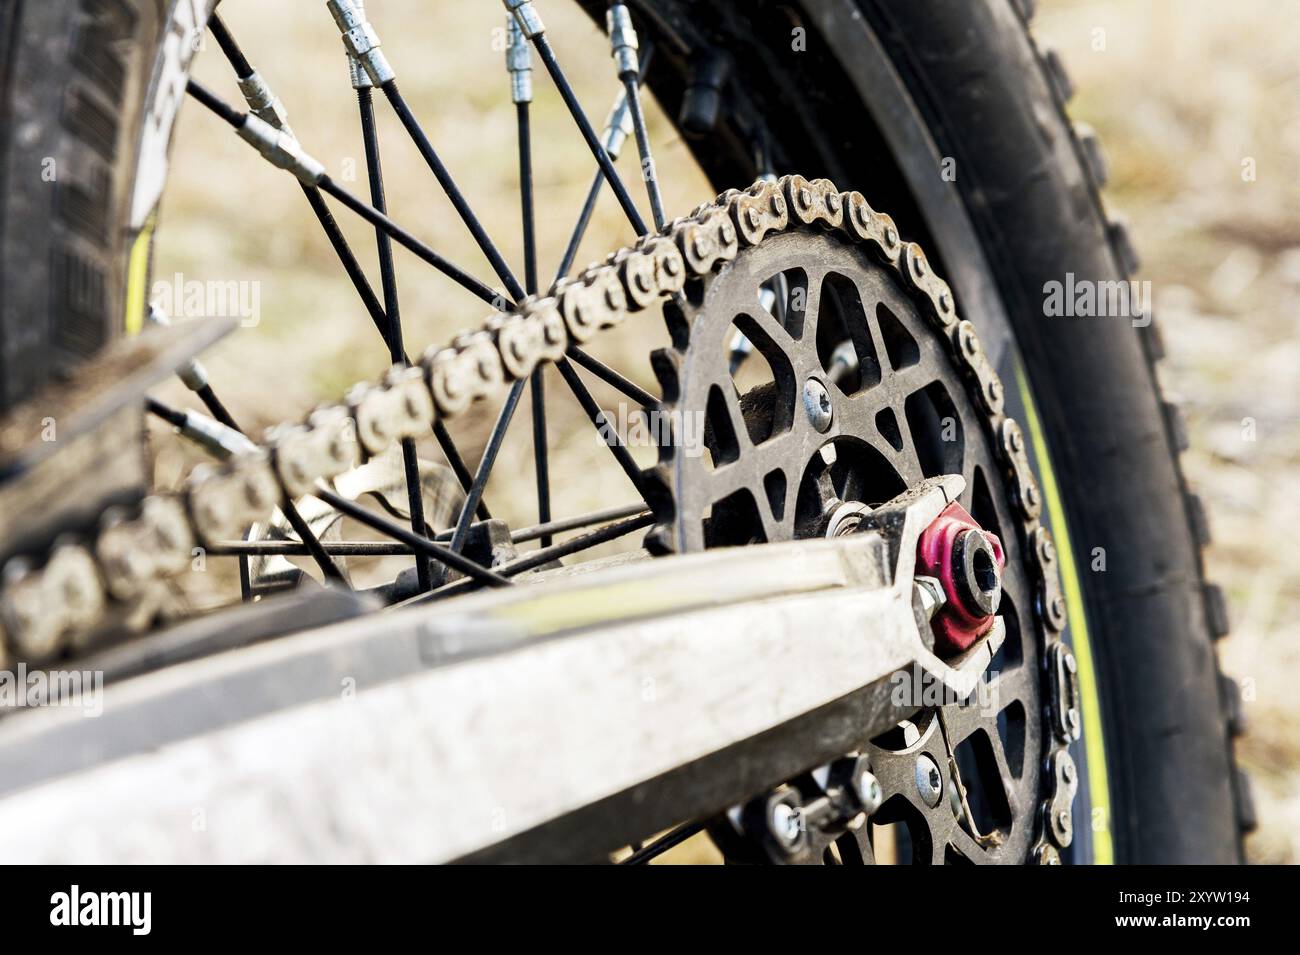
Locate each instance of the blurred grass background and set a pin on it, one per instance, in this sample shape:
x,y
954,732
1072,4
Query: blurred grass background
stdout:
x,y
1183,93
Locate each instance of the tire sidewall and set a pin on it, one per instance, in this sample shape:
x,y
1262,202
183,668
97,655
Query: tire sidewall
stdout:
x,y
90,93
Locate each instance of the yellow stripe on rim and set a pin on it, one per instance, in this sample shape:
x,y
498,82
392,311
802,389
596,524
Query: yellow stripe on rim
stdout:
x,y
137,277
1103,850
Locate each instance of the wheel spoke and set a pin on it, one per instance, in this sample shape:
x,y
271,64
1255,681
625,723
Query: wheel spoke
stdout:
x,y
541,462
602,535
665,842
580,227
543,47
596,416
520,67
623,40
243,69
612,378
290,548
355,548
546,555
362,42
530,24
614,136
543,531
376,218
338,241
416,542
396,345
404,238
453,192
485,465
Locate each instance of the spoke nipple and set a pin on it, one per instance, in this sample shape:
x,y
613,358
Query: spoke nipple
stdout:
x,y
622,39
519,63
361,40
529,19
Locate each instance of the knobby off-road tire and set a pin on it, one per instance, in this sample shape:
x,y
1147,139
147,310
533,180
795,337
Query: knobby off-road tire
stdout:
x,y
84,83
1031,180
78,80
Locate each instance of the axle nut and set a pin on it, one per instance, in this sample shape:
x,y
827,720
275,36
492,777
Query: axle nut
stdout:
x,y
967,561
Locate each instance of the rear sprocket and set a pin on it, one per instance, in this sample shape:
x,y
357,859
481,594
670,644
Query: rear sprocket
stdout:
x,y
812,378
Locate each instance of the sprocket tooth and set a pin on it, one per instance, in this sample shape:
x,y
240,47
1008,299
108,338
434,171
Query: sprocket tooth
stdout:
x,y
658,542
656,483
658,480
666,363
678,324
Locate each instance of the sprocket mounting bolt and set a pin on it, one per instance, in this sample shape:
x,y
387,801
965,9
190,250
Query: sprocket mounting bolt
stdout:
x,y
817,403
929,781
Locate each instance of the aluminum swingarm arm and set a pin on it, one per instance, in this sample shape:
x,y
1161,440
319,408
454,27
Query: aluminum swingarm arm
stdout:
x,y
473,728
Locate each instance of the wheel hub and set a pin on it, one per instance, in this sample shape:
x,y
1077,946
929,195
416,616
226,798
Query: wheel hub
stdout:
x,y
967,561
